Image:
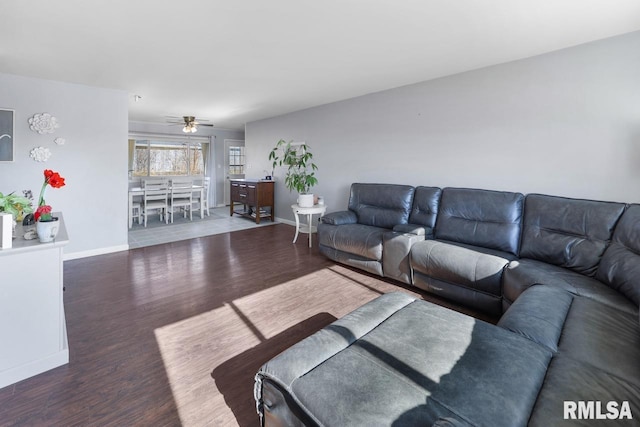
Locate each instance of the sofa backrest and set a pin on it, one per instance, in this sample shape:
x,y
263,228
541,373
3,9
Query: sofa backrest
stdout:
x,y
381,205
491,219
620,265
569,233
425,206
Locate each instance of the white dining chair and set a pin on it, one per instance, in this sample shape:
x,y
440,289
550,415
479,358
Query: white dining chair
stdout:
x,y
181,197
156,196
136,211
197,203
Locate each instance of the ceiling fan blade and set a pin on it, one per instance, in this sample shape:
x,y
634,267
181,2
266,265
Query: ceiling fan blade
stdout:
x,y
187,121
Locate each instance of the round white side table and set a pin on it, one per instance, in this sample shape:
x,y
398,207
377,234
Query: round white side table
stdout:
x,y
309,212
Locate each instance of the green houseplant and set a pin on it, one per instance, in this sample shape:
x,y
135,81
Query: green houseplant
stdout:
x,y
18,206
298,160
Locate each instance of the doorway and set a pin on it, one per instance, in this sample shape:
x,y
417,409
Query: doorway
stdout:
x,y
234,164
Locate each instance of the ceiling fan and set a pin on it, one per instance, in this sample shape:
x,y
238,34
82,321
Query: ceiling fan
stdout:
x,y
190,123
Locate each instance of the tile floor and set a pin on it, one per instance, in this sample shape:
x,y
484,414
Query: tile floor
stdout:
x,y
158,232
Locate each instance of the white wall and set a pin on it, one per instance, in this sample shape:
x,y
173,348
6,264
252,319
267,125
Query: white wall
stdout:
x,y
216,155
565,123
93,160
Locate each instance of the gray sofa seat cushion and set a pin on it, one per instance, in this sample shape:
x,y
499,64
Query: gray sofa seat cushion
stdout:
x,y
521,274
491,219
381,205
603,337
362,240
539,315
370,265
569,233
500,254
463,266
571,380
620,265
413,368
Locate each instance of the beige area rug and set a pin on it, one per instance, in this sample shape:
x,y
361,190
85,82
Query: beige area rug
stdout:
x,y
211,359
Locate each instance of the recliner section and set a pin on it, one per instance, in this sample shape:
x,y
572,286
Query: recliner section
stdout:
x,y
476,234
355,237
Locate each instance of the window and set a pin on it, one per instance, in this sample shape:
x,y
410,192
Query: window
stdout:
x,y
236,160
167,158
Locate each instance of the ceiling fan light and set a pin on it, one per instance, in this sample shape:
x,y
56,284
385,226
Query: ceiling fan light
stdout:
x,y
186,129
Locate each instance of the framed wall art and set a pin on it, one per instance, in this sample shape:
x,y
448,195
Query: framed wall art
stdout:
x,y
6,135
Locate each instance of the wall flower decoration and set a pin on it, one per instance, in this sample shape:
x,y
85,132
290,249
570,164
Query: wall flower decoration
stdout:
x,y
43,123
40,154
59,141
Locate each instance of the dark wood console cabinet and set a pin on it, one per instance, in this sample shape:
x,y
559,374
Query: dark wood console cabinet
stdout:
x,y
255,196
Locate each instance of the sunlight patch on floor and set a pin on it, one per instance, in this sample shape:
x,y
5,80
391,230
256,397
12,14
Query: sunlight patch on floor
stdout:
x,y
192,348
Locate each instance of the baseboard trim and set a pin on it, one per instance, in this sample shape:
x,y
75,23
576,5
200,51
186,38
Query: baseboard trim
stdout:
x,y
28,370
285,221
94,252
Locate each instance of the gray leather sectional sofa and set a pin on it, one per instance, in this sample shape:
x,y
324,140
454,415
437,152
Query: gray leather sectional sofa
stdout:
x,y
564,273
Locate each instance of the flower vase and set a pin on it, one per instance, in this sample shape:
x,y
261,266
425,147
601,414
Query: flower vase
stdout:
x,y
47,230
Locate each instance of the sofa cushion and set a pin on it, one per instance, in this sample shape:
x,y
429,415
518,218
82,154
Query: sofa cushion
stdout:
x,y
490,219
459,265
362,240
569,233
569,380
539,315
597,360
381,205
521,274
425,206
340,218
603,337
357,261
620,265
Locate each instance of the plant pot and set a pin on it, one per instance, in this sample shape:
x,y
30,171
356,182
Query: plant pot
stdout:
x,y
47,230
305,200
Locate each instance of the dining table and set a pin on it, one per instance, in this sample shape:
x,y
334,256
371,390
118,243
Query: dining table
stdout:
x,y
139,191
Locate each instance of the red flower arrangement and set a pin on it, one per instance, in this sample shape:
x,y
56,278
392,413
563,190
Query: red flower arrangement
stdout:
x,y
43,212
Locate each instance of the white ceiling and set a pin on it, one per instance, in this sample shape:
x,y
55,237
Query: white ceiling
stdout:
x,y
237,61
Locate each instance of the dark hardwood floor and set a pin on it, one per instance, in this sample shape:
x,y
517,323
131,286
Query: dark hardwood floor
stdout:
x,y
173,334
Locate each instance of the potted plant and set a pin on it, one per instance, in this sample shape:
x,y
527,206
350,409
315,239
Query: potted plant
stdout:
x,y
300,174
18,206
46,224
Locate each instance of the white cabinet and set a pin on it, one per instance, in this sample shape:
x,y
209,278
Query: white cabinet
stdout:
x,y
33,332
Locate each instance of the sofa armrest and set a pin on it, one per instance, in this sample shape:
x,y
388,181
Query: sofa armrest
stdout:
x,y
417,229
396,250
340,218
